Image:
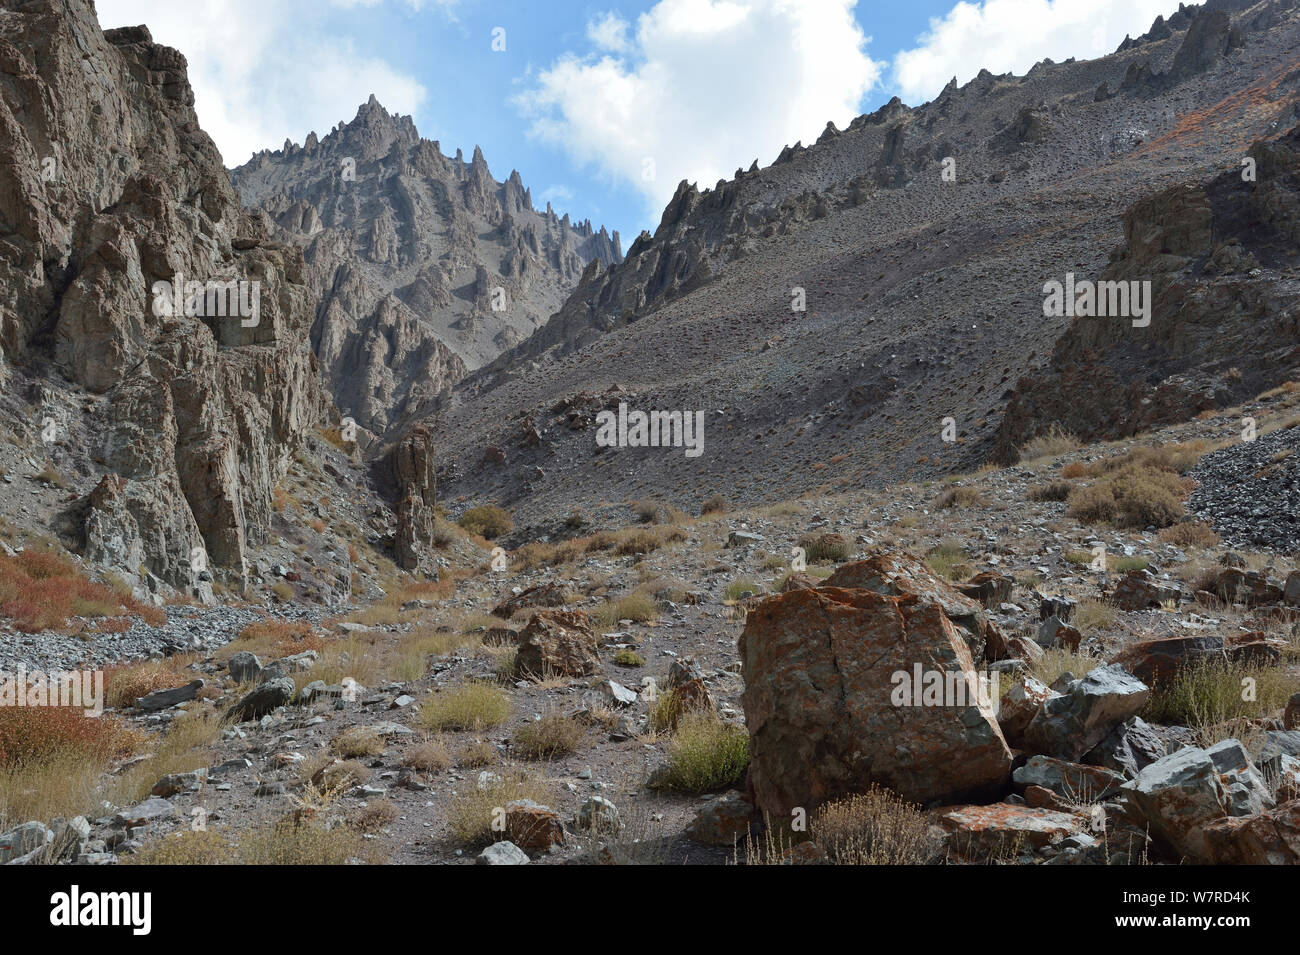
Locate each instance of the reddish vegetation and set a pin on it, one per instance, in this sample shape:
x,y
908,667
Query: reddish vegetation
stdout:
x,y
40,590
39,734
290,636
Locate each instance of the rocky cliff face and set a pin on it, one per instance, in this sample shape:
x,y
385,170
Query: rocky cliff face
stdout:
x,y
829,312
112,193
1225,323
424,266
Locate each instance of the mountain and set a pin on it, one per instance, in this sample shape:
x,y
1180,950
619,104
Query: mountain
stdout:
x,y
423,266
183,410
921,241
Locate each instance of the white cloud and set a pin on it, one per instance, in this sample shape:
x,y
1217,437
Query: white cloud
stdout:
x,y
609,32
705,86
555,195
1012,35
264,69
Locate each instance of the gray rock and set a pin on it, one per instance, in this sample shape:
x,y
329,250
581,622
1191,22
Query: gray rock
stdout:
x,y
262,700
599,814
22,840
1069,725
164,699
244,667
298,663
1128,748
1182,793
502,853
1247,794
146,813
1078,783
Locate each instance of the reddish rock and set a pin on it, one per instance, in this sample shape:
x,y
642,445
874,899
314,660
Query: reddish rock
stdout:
x,y
532,826
1142,590
1156,662
557,643
1268,838
989,587
979,832
724,821
1022,697
900,575
820,672
797,581
1291,716
550,594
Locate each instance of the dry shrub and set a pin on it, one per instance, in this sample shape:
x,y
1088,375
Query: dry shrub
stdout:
x,y
429,755
705,754
1051,491
40,590
715,504
281,638
487,521
550,737
1075,469
1055,441
873,828
471,809
960,497
32,734
357,741
470,706
1136,494
1189,534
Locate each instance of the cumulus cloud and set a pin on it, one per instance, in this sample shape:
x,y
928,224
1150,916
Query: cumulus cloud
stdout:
x,y
700,88
609,32
264,69
1012,35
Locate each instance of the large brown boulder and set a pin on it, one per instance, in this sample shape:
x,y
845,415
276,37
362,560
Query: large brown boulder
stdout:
x,y
557,643
900,574
824,672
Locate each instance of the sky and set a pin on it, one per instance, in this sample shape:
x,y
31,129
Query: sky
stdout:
x,y
602,107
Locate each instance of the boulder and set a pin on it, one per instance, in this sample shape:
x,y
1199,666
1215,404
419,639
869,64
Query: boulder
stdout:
x,y
244,667
557,643
550,594
989,587
900,575
1069,725
723,821
1143,590
1128,748
1078,783
982,832
262,700
1181,794
1269,838
532,826
825,671
502,853
1022,697
164,699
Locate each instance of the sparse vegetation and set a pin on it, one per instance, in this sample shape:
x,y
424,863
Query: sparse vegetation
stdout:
x,y
470,706
705,754
487,521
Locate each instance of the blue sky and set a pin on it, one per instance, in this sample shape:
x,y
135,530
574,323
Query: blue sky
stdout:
x,y
602,106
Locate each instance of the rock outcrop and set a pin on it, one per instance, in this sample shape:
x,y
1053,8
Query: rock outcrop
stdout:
x,y
130,263
423,265
1225,313
822,702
